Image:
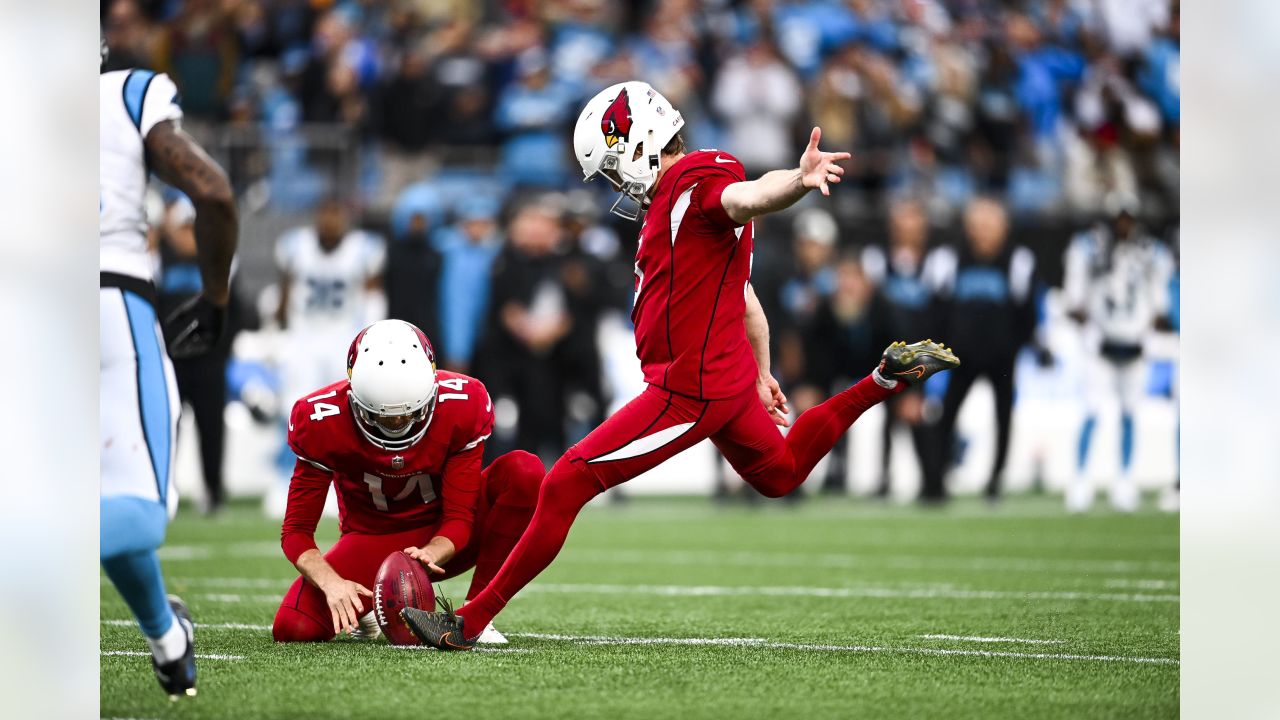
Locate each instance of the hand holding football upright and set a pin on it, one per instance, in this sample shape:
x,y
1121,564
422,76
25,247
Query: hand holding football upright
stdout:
x,y
818,168
425,557
343,597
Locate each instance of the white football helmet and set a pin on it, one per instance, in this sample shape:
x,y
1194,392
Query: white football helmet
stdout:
x,y
620,135
392,369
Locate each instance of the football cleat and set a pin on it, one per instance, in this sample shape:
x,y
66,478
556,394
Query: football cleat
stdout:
x,y
441,629
178,678
491,636
917,362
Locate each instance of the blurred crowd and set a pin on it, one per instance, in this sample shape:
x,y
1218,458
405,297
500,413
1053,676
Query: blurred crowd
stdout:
x,y
986,135
1050,103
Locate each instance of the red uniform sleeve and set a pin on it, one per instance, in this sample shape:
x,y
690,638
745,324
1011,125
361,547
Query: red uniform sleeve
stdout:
x,y
712,180
307,491
460,488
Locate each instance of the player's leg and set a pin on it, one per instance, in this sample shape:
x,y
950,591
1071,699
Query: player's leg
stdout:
x,y
774,466
304,616
138,410
1131,379
1002,384
511,484
1100,381
958,385
653,427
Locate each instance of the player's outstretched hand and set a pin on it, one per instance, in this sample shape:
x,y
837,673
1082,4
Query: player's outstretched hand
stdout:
x,y
773,399
343,597
818,168
424,557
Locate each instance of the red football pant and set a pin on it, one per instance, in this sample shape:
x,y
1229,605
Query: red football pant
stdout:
x,y
510,492
650,429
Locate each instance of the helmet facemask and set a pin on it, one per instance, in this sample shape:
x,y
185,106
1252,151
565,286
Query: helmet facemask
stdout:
x,y
392,430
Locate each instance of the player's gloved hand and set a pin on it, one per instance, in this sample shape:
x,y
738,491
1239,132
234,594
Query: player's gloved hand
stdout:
x,y
345,607
424,557
194,328
773,399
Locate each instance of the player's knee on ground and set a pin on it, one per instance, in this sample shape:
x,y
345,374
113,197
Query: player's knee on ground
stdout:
x,y
514,479
130,524
292,625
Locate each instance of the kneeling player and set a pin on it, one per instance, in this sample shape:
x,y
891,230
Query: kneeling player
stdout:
x,y
403,444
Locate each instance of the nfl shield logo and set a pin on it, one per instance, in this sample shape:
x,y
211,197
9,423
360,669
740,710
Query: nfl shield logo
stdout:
x,y
397,462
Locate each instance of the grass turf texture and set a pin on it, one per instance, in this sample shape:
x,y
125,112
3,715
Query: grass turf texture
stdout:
x,y
833,597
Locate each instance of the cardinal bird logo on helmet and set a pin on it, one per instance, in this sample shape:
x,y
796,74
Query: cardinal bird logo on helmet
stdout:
x,y
616,121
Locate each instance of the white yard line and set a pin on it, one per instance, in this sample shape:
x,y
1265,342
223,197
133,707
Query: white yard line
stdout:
x,y
759,643
179,553
747,642
981,639
1142,583
928,592
140,653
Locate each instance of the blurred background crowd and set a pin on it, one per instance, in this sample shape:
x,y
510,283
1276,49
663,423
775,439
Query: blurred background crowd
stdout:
x,y
423,146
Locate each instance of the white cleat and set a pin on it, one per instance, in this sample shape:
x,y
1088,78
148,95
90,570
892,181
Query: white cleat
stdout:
x,y
491,636
1079,496
1125,496
1170,499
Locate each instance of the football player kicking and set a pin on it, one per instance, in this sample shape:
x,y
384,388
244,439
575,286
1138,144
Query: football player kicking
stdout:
x,y
403,444
701,336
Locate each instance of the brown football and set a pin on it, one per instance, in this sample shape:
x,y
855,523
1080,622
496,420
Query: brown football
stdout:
x,y
402,582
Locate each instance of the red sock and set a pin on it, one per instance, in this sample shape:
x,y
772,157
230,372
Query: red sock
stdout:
x,y
817,429
566,489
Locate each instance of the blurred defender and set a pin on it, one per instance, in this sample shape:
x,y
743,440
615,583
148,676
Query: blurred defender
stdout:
x,y
701,336
1117,280
139,131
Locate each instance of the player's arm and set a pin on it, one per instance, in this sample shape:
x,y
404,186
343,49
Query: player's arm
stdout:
x,y
178,160
780,189
460,491
771,395
307,491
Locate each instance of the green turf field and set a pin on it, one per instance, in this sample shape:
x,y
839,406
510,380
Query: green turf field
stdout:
x,y
833,608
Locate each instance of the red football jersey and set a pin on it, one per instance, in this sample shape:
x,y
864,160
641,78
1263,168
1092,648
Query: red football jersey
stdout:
x,y
692,269
437,481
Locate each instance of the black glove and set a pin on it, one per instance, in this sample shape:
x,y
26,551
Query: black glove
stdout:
x,y
194,328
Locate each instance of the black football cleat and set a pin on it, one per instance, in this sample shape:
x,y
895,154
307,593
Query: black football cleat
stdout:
x,y
441,629
917,362
178,678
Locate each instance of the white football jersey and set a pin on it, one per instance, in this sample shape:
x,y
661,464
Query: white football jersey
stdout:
x,y
131,103
1123,287
328,288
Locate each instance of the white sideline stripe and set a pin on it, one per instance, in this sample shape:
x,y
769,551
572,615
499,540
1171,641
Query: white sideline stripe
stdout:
x,y
140,653
980,639
758,643
646,444
948,592
179,553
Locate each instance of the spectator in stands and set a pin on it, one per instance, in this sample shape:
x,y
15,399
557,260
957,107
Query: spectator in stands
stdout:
x,y
413,278
811,281
531,319
904,299
469,249
199,50
984,303
759,98
534,113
